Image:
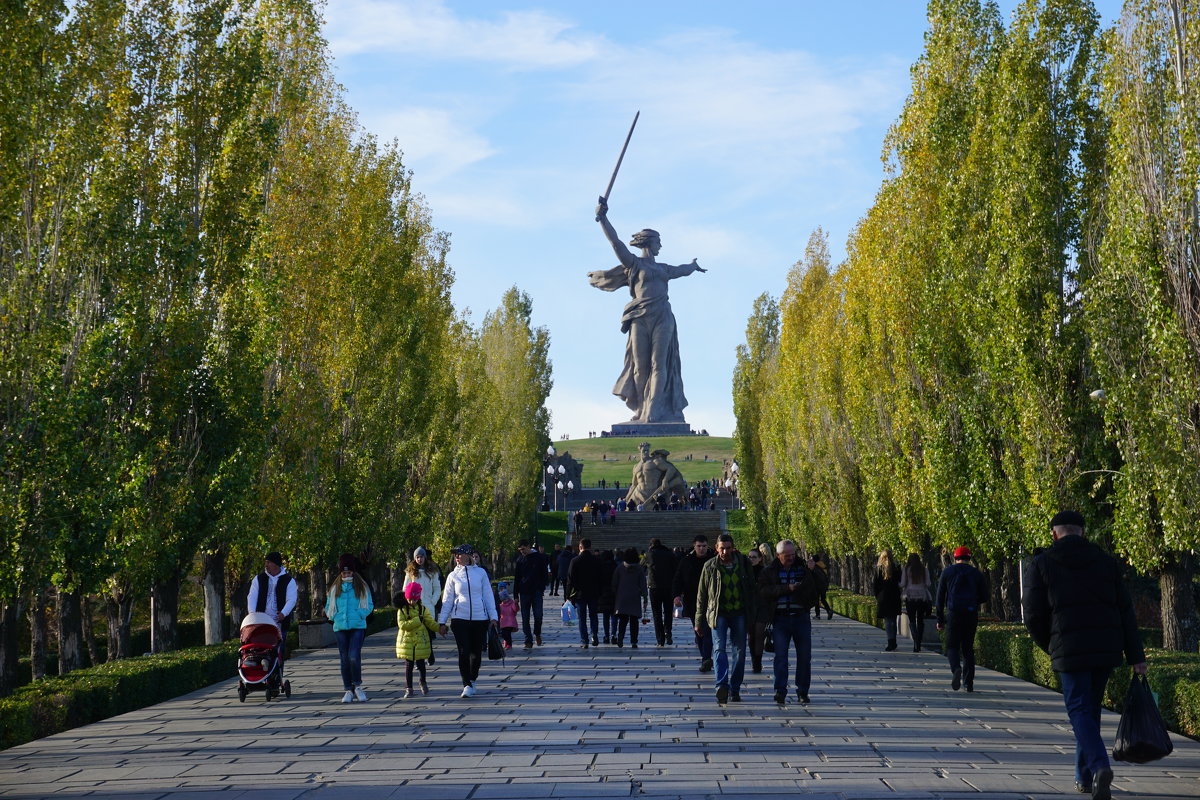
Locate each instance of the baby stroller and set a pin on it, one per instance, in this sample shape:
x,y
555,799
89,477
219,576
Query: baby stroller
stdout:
x,y
260,658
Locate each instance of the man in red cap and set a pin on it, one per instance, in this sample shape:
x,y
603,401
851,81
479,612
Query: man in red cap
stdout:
x,y
961,591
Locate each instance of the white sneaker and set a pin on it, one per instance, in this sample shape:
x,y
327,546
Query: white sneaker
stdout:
x,y
408,693
468,691
348,697
424,688
360,694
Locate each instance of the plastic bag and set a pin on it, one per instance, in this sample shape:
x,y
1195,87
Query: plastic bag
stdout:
x,y
569,614
1141,734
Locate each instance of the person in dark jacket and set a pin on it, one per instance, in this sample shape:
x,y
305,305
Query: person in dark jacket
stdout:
x,y
629,596
563,565
583,589
529,580
607,603
961,591
886,589
787,591
685,585
660,572
1078,611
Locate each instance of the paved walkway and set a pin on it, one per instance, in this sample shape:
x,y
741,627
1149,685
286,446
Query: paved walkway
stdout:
x,y
568,723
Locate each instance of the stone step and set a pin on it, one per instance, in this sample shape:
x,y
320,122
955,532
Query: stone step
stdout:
x,y
635,529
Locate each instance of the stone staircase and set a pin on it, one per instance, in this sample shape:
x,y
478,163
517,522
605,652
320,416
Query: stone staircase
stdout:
x,y
637,528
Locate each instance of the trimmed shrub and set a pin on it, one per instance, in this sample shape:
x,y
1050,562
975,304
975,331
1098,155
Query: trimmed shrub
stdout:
x,y
89,695
1006,647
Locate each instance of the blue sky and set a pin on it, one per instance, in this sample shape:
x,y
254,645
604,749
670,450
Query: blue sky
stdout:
x,y
760,121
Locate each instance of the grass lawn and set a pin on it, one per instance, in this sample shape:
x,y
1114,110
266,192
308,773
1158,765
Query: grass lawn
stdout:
x,y
613,458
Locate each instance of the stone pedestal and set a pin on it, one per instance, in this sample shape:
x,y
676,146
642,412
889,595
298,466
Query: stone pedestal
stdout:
x,y
315,634
649,430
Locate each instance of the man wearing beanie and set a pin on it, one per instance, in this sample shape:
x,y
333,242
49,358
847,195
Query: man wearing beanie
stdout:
x,y
273,592
1078,611
961,591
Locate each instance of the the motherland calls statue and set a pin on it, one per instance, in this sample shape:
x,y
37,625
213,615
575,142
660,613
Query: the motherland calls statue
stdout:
x,y
652,476
651,384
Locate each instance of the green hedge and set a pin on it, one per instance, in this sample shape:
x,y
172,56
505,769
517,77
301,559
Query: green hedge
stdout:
x,y
189,633
1006,647
89,695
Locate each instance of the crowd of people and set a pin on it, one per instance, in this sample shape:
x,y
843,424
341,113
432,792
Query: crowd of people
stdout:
x,y
762,601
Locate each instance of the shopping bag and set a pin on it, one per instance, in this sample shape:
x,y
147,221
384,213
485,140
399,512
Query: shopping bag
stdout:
x,y
569,614
1141,735
495,646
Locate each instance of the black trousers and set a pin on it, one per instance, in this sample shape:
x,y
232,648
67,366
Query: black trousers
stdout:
x,y
470,635
960,642
661,608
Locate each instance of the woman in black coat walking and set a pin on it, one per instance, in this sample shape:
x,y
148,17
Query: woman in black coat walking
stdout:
x,y
887,595
629,596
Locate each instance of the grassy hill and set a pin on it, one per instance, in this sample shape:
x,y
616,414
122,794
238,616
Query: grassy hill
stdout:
x,y
613,459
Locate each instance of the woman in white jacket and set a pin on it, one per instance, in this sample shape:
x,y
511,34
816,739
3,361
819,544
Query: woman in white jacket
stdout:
x,y
422,570
469,607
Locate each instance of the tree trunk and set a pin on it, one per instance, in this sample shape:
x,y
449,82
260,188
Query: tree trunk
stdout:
x,y
214,597
118,611
38,634
70,631
1010,590
377,578
316,579
9,643
239,588
303,596
1181,628
163,622
396,581
89,631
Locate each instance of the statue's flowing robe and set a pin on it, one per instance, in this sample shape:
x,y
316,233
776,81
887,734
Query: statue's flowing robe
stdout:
x,y
651,383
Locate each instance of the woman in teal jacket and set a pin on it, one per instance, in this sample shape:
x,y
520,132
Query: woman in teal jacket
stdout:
x,y
349,604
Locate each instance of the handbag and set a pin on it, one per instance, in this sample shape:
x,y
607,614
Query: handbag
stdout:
x,y
1141,734
769,639
495,647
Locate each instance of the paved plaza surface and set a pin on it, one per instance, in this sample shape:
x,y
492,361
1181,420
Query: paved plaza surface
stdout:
x,y
563,722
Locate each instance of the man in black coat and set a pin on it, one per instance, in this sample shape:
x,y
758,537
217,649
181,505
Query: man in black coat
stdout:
x,y
684,586
961,591
583,589
1078,611
529,580
660,574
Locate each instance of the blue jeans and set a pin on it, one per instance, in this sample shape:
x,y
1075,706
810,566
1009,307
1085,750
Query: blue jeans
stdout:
x,y
1083,695
730,632
350,644
587,610
531,601
791,631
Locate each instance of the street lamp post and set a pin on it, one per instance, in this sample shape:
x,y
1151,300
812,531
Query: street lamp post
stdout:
x,y
567,493
559,487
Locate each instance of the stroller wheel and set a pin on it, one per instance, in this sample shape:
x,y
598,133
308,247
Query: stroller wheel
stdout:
x,y
242,694
287,689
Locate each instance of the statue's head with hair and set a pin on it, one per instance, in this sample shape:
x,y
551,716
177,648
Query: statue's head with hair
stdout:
x,y
644,237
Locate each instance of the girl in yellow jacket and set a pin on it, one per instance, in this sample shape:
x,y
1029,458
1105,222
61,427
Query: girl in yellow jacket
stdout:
x,y
414,623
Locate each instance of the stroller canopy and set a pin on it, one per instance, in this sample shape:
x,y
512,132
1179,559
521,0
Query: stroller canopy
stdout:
x,y
259,628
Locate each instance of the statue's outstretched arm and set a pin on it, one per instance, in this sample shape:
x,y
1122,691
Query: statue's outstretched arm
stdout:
x,y
623,253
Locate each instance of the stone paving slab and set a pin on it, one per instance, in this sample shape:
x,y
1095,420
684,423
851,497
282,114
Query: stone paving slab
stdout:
x,y
563,722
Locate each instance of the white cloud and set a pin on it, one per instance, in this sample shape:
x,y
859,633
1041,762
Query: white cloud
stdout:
x,y
434,141
518,39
